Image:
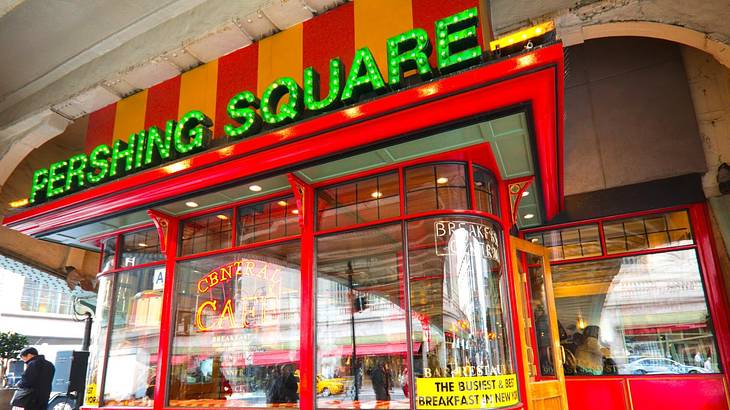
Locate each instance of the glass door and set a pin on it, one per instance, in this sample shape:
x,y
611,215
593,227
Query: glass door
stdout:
x,y
542,353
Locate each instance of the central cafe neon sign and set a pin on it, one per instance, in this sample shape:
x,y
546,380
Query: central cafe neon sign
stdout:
x,y
252,307
456,48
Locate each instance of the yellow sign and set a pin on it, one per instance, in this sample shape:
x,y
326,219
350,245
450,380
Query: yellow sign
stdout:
x,y
481,392
91,398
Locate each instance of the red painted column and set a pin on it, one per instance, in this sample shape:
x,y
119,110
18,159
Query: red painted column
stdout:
x,y
712,278
307,212
168,237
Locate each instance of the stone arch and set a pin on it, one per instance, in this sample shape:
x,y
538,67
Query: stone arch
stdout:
x,y
572,35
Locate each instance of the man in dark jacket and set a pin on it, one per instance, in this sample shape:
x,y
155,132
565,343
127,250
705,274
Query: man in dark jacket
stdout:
x,y
38,376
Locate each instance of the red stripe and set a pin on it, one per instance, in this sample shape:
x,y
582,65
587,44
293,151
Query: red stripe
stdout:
x,y
329,35
426,12
237,72
162,101
101,127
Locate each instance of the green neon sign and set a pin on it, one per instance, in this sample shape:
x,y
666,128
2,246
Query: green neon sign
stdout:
x,y
283,101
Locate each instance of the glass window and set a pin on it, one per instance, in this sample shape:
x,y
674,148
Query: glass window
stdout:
x,y
485,191
97,348
109,246
616,316
236,329
366,200
362,350
648,232
206,233
431,187
268,220
569,243
140,247
45,298
461,326
132,358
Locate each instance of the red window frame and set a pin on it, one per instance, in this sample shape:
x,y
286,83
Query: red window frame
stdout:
x,y
712,280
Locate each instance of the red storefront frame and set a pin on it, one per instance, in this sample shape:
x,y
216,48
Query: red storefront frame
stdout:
x,y
533,79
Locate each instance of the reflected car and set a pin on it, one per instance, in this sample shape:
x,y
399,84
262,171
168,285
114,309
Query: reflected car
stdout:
x,y
658,365
327,387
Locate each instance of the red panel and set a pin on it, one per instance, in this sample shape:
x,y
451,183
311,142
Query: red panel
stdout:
x,y
336,30
306,332
166,319
101,127
426,12
712,277
689,393
237,72
597,393
162,101
533,80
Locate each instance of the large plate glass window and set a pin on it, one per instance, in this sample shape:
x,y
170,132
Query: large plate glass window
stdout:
x,y
618,316
236,329
361,320
135,331
461,326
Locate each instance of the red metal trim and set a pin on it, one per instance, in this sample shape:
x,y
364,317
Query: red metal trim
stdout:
x,y
166,325
602,238
161,222
243,202
516,197
421,215
535,79
607,218
299,188
118,232
623,254
713,281
307,391
470,182
129,268
238,248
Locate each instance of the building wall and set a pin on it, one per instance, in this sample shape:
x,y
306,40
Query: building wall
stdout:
x,y
49,333
629,116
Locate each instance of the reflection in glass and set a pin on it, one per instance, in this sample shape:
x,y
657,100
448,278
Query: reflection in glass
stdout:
x,y
361,329
366,200
430,187
460,317
132,360
264,221
140,247
109,247
206,233
616,317
569,243
236,329
97,347
540,315
648,232
485,191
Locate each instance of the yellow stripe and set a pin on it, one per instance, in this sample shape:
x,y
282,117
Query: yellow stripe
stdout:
x,y
198,89
280,56
378,20
129,117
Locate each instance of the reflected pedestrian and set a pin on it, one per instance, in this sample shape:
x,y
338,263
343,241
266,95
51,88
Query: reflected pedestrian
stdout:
x,y
38,376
